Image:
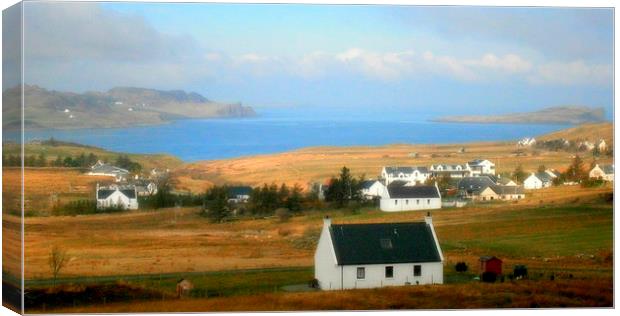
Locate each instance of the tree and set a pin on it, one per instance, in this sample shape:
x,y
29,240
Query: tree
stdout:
x,y
216,204
519,174
41,160
57,261
295,199
461,267
542,168
575,171
444,182
343,189
163,197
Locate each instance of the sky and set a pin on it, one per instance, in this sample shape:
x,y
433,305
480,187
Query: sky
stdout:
x,y
425,60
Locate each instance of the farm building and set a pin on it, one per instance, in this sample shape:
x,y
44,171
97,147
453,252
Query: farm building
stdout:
x,y
372,189
184,287
408,174
490,264
103,169
604,172
483,188
480,166
453,171
376,255
410,197
114,196
239,194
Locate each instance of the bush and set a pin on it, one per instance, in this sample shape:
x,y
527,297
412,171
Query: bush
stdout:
x,y
489,277
283,214
461,267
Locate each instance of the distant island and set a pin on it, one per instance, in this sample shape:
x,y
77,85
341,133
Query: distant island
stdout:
x,y
117,107
551,115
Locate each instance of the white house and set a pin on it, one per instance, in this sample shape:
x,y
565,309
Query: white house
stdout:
x,y
103,169
398,198
407,174
481,166
602,146
377,255
145,187
484,188
372,189
527,142
538,180
114,196
240,194
605,172
454,171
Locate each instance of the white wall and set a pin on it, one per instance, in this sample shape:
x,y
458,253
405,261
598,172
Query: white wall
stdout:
x,y
532,182
389,205
326,269
432,273
118,199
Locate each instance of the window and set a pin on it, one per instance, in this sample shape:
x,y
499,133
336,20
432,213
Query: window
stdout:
x,y
395,202
417,270
361,273
417,201
386,243
407,202
389,272
428,201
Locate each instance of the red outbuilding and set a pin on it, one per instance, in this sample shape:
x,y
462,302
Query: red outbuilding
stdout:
x,y
490,264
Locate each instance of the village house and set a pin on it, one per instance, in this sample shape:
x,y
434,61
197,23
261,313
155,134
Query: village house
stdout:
x,y
117,196
601,145
408,174
538,180
603,172
145,187
480,167
453,171
376,255
483,188
406,197
103,169
239,194
372,189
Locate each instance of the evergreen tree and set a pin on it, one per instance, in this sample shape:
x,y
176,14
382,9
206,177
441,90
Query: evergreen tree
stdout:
x,y
519,175
216,204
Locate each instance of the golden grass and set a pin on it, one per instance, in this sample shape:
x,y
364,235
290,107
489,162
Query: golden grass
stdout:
x,y
591,132
179,240
522,294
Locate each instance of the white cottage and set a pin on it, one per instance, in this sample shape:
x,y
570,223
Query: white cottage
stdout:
x,y
480,166
410,198
538,180
114,196
453,171
377,255
372,189
604,172
407,174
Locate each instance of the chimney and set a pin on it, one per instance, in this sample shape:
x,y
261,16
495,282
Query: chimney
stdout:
x,y
327,222
428,219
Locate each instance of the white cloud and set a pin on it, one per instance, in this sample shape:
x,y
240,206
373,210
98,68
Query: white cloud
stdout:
x,y
572,73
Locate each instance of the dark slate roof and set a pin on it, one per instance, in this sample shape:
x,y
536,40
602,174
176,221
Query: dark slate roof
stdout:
x,y
475,162
103,168
503,181
241,190
368,183
366,243
105,193
415,191
507,189
406,170
475,183
130,193
608,169
398,183
544,177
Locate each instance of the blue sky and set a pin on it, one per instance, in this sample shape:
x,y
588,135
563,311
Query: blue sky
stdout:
x,y
426,60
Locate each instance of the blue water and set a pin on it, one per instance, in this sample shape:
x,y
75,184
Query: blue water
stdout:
x,y
279,131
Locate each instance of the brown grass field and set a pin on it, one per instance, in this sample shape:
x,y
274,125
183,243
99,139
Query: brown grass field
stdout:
x,y
317,164
522,294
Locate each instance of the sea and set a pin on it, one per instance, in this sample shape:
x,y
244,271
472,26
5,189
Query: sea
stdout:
x,y
280,130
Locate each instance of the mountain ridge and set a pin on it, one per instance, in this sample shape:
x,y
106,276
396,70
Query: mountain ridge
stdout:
x,y
116,107
549,115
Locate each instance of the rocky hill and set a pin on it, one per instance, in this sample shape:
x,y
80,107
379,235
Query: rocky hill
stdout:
x,y
117,107
551,115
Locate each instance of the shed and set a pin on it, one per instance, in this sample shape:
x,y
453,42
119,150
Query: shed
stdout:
x,y
490,264
184,287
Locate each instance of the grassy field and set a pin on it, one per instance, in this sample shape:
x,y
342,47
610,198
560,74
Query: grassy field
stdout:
x,y
320,163
180,240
